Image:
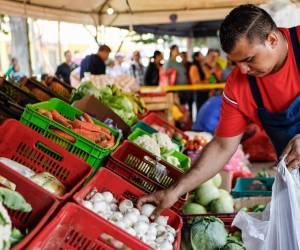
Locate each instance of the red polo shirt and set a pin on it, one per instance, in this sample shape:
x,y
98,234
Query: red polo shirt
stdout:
x,y
278,91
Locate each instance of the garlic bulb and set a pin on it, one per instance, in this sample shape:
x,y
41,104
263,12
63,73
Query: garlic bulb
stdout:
x,y
132,217
143,218
116,216
121,224
162,220
88,204
160,229
135,210
147,209
131,231
100,206
141,227
165,245
113,206
125,205
108,197
152,230
97,197
170,230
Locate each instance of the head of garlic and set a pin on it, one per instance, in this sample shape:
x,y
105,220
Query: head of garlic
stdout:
x,y
162,220
125,205
141,227
107,196
147,209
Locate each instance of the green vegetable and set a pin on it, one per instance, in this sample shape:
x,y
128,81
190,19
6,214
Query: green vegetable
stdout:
x,y
208,233
15,236
206,193
86,88
148,143
234,245
258,208
193,208
224,204
263,174
217,180
14,200
172,160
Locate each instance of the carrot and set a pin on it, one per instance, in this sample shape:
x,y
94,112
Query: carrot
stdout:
x,y
88,118
63,134
45,112
107,143
91,127
92,136
60,119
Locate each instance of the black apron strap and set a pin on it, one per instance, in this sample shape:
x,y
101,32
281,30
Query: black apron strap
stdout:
x,y
296,45
255,92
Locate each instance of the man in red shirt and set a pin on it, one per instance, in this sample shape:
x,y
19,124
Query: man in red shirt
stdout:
x,y
264,89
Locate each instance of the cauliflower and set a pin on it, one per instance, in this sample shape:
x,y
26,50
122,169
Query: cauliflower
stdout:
x,y
172,160
148,143
165,143
5,228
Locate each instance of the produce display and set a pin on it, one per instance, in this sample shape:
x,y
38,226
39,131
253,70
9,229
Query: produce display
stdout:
x,y
84,126
208,197
209,233
158,234
161,145
9,235
126,105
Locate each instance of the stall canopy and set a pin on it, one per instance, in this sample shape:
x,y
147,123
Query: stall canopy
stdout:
x,y
125,12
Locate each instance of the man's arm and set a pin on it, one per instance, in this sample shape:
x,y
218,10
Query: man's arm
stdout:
x,y
212,159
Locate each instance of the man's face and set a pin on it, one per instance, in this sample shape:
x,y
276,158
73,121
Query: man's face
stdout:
x,y
184,57
68,57
255,58
136,56
104,55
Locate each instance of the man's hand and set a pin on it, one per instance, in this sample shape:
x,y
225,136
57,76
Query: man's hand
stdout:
x,y
292,152
162,199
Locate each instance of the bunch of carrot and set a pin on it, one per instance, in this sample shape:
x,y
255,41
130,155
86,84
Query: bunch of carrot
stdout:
x,y
83,126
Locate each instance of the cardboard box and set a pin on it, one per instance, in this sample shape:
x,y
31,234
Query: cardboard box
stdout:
x,y
100,111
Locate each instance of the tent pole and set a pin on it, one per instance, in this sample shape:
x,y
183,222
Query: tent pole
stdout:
x,y
59,41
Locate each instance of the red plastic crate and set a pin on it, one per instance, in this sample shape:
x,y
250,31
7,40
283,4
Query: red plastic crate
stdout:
x,y
105,180
153,119
21,144
75,228
138,167
43,205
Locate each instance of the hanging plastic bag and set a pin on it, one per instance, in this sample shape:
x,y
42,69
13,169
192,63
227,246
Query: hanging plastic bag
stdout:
x,y
278,227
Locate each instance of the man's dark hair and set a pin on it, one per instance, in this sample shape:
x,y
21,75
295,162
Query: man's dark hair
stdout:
x,y
104,48
156,53
246,20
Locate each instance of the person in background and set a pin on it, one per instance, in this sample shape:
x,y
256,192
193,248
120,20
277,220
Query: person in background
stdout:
x,y
210,65
95,63
137,69
64,70
187,64
10,70
181,76
197,76
152,71
118,68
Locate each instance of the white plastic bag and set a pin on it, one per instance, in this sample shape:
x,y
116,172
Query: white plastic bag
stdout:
x,y
278,227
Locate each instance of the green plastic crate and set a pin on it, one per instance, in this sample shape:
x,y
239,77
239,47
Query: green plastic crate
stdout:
x,y
183,159
85,149
147,128
247,187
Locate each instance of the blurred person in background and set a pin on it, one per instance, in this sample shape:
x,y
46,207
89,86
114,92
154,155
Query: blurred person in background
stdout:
x,y
10,70
14,70
137,69
229,67
197,76
152,71
118,68
95,63
64,70
210,65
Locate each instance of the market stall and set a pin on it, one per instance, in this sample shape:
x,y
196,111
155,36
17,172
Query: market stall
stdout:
x,y
120,154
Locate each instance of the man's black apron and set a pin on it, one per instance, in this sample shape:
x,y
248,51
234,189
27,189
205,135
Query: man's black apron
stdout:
x,y
283,126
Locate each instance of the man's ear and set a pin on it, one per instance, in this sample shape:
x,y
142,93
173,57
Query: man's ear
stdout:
x,y
272,39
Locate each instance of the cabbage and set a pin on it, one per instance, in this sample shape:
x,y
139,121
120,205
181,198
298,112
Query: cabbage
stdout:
x,y
85,88
208,233
5,228
234,245
206,193
148,143
193,208
217,180
224,204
